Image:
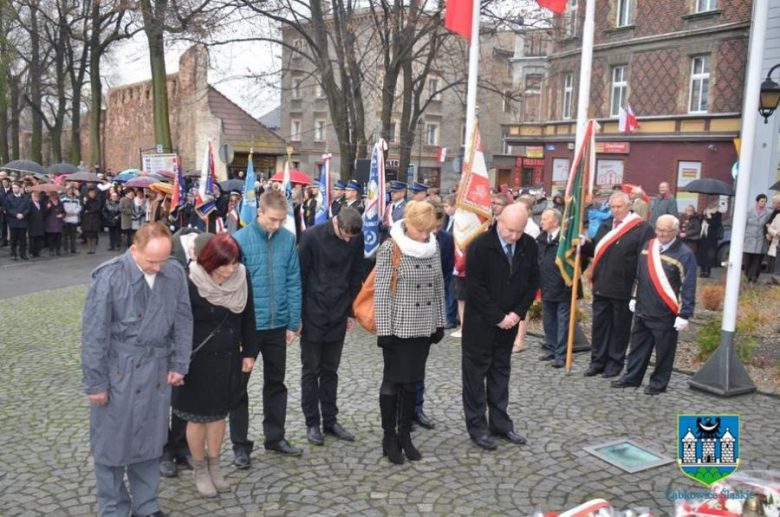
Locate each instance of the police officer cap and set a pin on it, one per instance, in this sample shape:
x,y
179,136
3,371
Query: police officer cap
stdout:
x,y
339,185
317,184
354,185
419,187
395,186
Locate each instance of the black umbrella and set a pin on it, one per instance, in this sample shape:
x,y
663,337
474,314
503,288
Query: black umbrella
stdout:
x,y
24,166
84,176
62,168
41,177
710,187
234,184
776,186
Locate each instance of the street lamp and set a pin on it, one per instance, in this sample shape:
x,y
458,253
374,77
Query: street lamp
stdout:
x,y
770,96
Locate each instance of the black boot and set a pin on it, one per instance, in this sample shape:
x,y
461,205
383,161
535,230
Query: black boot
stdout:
x,y
388,406
406,416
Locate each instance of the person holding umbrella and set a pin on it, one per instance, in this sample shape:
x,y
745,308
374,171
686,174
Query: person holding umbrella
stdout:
x,y
711,228
18,208
53,221
35,229
91,220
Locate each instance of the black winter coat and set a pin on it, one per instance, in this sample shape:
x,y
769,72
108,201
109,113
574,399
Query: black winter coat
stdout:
x,y
111,214
492,292
331,277
447,251
213,384
35,227
614,276
91,216
554,289
17,205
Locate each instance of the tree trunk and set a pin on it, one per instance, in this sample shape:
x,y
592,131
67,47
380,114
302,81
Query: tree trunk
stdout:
x,y
162,126
36,145
4,83
16,109
75,126
408,126
3,131
96,89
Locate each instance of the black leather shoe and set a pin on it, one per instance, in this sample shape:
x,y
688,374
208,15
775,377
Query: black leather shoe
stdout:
x,y
546,357
184,463
557,364
513,437
653,391
609,375
241,460
423,421
155,514
622,384
314,435
284,447
168,469
592,371
339,432
485,442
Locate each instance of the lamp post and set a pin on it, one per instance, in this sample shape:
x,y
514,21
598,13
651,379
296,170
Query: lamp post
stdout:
x,y
770,96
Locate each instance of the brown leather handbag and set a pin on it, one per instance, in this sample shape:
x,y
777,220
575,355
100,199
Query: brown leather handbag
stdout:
x,y
363,306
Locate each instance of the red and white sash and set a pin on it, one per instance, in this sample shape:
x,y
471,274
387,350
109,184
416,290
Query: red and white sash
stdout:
x,y
658,276
631,221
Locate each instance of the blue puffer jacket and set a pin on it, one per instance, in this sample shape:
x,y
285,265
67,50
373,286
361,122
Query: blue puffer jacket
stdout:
x,y
276,276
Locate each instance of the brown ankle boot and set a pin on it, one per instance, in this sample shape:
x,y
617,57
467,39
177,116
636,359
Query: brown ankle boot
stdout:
x,y
202,479
216,475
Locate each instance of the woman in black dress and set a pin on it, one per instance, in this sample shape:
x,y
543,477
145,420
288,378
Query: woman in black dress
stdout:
x,y
91,220
711,227
223,347
409,308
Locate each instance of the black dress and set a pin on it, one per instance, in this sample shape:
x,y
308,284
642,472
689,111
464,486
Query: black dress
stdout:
x,y
707,253
91,218
212,388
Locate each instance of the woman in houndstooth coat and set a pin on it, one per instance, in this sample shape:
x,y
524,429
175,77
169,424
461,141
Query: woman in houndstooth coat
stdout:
x,y
408,321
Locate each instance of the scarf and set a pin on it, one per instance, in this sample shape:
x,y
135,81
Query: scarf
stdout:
x,y
410,246
705,225
232,294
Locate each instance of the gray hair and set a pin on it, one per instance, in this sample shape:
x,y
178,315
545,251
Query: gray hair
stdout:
x,y
669,217
637,190
776,198
619,194
556,213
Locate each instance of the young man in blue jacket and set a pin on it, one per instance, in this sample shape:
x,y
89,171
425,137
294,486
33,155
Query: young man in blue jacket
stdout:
x,y
268,251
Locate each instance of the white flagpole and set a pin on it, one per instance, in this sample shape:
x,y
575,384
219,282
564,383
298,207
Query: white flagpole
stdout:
x,y
471,97
586,67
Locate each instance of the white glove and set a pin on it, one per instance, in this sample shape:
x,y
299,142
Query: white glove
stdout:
x,y
632,305
680,324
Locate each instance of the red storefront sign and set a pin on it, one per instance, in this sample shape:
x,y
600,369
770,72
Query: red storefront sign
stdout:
x,y
613,147
533,162
537,176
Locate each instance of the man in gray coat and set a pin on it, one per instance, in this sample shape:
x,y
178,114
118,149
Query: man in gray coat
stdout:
x,y
136,344
664,204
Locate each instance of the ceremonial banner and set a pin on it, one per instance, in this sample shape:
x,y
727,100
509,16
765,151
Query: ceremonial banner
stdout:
x,y
249,203
324,197
472,215
458,16
375,200
205,203
579,187
556,6
179,195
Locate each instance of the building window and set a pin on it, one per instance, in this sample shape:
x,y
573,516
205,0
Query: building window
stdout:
x,y
297,48
533,96
505,147
568,93
571,18
619,89
702,6
319,130
433,89
296,87
295,130
624,12
463,135
507,98
700,84
392,135
432,134
319,91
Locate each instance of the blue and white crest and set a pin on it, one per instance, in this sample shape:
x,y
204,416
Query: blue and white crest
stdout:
x,y
708,446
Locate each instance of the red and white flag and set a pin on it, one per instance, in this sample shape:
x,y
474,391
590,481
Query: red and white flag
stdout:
x,y
458,16
441,154
556,6
627,122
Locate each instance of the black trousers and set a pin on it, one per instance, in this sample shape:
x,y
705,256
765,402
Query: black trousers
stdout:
x,y
273,348
4,228
320,380
129,234
114,237
644,338
611,333
486,369
36,245
69,232
753,265
19,240
54,241
177,447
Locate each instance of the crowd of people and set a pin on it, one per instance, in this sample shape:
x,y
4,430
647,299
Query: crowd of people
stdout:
x,y
200,322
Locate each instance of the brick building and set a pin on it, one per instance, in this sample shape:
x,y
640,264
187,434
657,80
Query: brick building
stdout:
x,y
680,64
198,112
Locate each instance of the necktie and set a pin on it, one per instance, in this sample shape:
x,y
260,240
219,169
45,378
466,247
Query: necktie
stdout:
x,y
616,224
509,256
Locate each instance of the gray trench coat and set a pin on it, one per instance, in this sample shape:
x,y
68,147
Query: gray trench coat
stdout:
x,y
132,337
755,242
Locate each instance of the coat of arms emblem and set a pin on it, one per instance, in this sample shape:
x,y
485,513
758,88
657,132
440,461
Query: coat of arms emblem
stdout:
x,y
708,446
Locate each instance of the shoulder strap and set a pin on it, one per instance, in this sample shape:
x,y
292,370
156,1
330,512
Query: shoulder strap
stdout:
x,y
396,264
208,338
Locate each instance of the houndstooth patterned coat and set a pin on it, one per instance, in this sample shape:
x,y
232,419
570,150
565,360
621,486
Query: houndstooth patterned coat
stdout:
x,y
417,308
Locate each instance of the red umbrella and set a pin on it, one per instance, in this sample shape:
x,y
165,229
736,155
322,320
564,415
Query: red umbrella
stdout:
x,y
296,176
140,182
165,174
628,187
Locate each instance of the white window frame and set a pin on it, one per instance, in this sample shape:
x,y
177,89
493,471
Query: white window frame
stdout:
x,y
297,83
704,6
572,9
433,88
432,127
619,87
699,83
319,91
295,130
568,95
505,148
624,13
319,130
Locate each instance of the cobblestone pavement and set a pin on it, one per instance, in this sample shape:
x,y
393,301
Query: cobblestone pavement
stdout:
x,y
45,467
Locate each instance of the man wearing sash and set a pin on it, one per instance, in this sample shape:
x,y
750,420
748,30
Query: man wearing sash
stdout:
x,y
615,252
663,300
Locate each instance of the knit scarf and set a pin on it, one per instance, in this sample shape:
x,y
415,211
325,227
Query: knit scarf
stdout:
x,y
410,246
232,294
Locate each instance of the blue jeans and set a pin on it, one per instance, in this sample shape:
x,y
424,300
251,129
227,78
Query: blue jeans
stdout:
x,y
450,303
556,327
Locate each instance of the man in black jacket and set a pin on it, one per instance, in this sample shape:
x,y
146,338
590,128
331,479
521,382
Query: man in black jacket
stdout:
x,y
17,205
331,256
5,191
502,275
663,300
615,253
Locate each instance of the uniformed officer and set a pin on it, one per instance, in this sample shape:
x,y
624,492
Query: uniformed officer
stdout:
x,y
338,198
352,196
419,191
395,209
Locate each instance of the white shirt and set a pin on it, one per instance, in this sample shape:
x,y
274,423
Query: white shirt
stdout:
x,y
532,229
665,247
148,277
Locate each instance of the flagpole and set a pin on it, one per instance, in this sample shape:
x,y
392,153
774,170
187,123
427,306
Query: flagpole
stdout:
x,y
586,68
471,97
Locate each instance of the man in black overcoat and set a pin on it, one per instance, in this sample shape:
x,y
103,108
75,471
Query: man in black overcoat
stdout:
x,y
502,276
331,256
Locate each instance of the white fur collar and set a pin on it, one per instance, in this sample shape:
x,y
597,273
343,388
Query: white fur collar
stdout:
x,y
411,247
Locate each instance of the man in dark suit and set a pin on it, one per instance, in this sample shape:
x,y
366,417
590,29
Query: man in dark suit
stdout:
x,y
615,252
352,196
18,208
502,275
338,198
5,191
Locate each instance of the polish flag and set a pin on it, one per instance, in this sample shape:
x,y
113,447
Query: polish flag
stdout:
x,y
441,154
627,121
556,6
458,15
